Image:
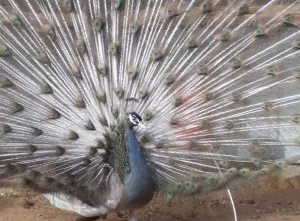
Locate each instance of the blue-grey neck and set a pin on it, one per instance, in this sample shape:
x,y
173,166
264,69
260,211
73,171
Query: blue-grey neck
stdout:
x,y
138,184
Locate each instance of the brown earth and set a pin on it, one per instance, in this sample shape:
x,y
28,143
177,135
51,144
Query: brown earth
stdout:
x,y
271,199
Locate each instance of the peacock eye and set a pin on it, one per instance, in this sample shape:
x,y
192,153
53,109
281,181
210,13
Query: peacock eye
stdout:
x,y
117,4
80,45
98,24
260,31
113,48
298,140
192,43
174,121
69,4
206,124
15,20
51,32
213,180
243,172
4,51
202,70
156,55
268,106
178,101
171,13
132,73
256,162
280,164
169,80
142,93
288,19
243,9
224,36
134,29
232,170
295,118
148,115
236,63
119,92
205,7
296,44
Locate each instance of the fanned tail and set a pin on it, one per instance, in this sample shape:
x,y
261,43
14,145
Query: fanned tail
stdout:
x,y
235,117
217,84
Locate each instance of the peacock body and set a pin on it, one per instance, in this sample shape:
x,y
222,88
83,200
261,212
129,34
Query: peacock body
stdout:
x,y
104,103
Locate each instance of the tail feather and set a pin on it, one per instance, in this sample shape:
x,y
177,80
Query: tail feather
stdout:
x,y
217,84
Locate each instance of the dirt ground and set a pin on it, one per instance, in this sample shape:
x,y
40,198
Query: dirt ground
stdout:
x,y
271,199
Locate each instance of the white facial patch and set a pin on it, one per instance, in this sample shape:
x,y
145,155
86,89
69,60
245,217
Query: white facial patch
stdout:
x,y
134,120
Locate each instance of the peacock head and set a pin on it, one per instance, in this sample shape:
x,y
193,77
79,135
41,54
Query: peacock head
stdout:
x,y
134,119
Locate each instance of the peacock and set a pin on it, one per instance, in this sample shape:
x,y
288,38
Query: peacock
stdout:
x,y
104,104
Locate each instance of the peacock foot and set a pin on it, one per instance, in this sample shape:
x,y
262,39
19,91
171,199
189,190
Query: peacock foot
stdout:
x,y
132,216
82,218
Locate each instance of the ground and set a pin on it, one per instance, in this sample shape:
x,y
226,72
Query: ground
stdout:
x,y
271,199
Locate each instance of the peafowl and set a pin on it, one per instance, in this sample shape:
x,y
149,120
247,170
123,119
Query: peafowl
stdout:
x,y
104,104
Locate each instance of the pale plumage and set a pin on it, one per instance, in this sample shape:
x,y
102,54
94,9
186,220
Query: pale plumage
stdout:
x,y
217,84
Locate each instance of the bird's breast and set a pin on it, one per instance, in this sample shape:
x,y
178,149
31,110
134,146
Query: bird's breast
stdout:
x,y
138,184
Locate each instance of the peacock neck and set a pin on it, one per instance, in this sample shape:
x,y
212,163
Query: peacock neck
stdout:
x,y
138,181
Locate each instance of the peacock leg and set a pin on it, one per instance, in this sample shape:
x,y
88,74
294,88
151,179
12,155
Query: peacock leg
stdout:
x,y
132,216
82,218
